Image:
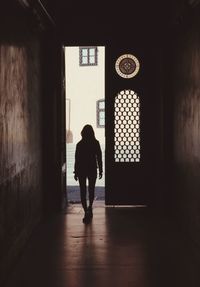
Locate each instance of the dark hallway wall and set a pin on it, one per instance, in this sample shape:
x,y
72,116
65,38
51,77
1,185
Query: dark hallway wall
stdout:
x,y
20,132
29,165
20,145
185,64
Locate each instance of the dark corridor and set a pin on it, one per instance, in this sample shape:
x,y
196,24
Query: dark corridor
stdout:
x,y
165,38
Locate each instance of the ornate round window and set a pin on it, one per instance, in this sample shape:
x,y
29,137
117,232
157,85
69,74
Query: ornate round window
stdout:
x,y
127,66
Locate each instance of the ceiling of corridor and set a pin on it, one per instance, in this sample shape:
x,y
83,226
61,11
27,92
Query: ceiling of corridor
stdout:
x,y
103,22
110,20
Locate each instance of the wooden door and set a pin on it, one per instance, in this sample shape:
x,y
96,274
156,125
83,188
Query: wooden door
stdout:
x,y
133,135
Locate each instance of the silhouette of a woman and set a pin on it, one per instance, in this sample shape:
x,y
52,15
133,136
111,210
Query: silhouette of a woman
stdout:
x,y
88,158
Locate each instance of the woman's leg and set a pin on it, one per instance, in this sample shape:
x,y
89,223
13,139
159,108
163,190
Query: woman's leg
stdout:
x,y
82,183
91,188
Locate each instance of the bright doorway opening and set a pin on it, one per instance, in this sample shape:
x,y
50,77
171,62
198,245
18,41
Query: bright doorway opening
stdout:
x,y
85,104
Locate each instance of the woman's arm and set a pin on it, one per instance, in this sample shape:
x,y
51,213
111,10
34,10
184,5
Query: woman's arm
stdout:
x,y
99,160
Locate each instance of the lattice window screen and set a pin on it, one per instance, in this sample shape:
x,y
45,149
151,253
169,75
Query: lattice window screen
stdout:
x,y
127,127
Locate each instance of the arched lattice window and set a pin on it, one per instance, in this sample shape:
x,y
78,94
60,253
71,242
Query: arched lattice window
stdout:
x,y
127,127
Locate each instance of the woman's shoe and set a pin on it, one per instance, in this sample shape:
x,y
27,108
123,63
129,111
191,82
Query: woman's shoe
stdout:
x,y
90,213
86,218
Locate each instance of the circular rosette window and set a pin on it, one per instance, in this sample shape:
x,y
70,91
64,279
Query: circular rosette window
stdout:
x,y
127,66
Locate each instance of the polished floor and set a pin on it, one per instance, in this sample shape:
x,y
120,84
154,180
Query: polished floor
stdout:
x,y
123,246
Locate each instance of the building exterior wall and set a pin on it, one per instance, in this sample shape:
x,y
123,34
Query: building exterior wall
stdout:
x,y
84,87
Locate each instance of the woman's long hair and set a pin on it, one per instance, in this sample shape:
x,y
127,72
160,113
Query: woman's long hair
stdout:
x,y
87,133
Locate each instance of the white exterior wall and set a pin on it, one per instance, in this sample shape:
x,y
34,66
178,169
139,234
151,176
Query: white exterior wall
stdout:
x,y
85,85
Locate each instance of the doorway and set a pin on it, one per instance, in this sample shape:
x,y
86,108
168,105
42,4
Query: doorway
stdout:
x,y
85,104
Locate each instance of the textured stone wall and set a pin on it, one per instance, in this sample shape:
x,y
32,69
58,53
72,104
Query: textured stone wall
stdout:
x,y
20,143
186,113
32,141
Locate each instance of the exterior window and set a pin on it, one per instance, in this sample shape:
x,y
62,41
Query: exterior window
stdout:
x,y
88,56
101,114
